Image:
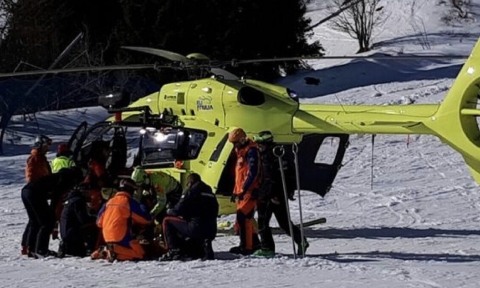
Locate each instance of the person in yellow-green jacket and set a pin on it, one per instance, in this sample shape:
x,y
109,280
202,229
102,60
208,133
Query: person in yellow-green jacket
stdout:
x,y
165,189
63,159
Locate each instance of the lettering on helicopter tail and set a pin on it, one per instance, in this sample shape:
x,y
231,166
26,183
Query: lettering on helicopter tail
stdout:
x,y
204,103
170,97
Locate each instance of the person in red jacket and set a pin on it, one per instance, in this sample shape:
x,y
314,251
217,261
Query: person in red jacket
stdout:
x,y
116,219
247,181
37,167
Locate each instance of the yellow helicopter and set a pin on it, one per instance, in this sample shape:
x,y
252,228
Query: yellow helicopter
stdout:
x,y
183,127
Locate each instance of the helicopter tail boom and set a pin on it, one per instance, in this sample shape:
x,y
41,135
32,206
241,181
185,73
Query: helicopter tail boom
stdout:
x,y
454,121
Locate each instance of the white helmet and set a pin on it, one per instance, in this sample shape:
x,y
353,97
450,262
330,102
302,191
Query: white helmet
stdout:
x,y
42,140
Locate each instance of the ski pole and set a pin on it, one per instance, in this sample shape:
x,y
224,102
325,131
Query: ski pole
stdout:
x,y
297,177
279,152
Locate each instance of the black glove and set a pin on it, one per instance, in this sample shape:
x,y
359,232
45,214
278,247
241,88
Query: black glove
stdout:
x,y
241,195
233,198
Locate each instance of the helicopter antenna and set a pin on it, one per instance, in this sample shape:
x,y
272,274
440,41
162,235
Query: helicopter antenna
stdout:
x,y
341,104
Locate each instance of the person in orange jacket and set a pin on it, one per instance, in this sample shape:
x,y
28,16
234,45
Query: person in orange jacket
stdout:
x,y
115,219
37,163
37,167
247,181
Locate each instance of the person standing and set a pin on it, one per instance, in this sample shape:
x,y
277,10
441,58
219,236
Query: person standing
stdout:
x,y
37,163
247,182
271,198
41,214
37,167
63,159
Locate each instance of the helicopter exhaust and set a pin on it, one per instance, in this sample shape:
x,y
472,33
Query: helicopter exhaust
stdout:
x,y
454,121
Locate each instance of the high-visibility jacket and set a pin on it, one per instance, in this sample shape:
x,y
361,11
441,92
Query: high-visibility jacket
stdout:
x,y
163,184
247,169
117,216
61,162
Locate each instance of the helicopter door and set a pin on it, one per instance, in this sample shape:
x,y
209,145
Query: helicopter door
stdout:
x,y
91,138
320,157
74,141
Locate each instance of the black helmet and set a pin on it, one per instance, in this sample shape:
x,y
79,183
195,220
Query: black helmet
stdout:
x,y
127,185
41,140
264,137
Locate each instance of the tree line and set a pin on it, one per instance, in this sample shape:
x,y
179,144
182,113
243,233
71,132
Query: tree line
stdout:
x,y
57,34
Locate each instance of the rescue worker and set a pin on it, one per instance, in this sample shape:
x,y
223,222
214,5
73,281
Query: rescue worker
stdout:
x,y
247,182
194,218
271,198
41,214
116,219
76,224
166,190
63,159
37,167
37,163
97,176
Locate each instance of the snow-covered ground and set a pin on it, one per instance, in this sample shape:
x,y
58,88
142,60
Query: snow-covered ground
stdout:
x,y
417,226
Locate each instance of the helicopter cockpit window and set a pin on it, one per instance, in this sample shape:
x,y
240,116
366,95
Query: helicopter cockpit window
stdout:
x,y
250,96
166,146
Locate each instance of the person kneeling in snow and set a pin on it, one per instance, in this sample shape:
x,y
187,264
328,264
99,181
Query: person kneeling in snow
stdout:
x,y
191,225
76,225
115,219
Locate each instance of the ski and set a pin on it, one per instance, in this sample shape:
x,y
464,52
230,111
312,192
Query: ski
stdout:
x,y
226,229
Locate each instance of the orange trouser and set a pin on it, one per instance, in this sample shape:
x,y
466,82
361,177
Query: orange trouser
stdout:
x,y
134,252
245,212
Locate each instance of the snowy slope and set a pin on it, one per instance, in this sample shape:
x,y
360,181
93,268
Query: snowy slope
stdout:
x,y
410,218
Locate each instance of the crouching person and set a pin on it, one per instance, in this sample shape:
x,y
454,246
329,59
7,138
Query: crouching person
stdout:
x,y
116,219
76,225
192,224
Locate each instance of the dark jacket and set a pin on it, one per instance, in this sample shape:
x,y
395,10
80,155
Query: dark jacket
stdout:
x,y
271,185
74,216
53,187
199,207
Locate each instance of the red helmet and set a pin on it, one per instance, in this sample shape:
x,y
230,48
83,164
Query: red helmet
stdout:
x,y
62,148
237,135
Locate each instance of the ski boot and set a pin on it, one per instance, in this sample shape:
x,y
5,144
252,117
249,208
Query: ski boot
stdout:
x,y
305,245
264,253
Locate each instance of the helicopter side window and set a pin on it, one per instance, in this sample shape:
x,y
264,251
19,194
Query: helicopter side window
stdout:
x,y
218,150
250,96
327,151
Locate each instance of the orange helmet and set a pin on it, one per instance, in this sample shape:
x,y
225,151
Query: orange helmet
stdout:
x,y
236,135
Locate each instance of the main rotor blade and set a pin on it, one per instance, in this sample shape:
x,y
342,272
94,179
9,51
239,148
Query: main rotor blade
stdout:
x,y
81,69
402,57
159,52
224,73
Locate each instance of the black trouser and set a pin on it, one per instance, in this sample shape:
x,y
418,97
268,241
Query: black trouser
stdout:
x,y
41,220
177,231
73,247
265,209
